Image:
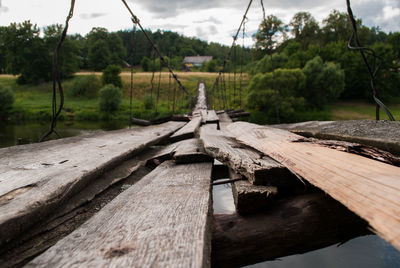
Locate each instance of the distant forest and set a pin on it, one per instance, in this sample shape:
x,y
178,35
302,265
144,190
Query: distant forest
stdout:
x,y
26,50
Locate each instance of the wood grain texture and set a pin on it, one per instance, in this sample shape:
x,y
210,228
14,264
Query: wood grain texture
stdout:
x,y
369,188
212,117
191,151
161,221
258,169
188,131
293,226
384,135
35,178
251,198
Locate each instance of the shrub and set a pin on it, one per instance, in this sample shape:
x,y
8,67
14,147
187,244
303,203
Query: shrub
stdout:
x,y
148,102
6,100
110,98
87,85
325,82
277,91
111,76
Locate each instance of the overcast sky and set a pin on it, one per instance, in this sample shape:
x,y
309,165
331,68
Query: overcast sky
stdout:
x,y
210,20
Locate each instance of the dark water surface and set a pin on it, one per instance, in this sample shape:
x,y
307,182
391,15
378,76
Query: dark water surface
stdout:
x,y
23,133
369,251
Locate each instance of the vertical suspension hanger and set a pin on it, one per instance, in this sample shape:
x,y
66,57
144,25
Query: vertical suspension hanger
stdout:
x,y
133,44
57,78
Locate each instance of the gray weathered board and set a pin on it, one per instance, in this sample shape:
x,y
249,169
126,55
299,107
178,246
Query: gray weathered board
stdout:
x,y
256,168
251,198
191,151
384,135
188,131
369,188
212,117
35,178
164,220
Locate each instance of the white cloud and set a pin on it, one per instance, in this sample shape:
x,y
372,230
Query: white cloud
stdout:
x,y
217,20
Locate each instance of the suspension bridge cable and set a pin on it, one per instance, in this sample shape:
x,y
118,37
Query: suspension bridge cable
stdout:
x,y
133,36
372,70
233,43
135,20
57,77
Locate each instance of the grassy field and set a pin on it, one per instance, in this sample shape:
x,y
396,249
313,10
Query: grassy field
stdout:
x,y
34,102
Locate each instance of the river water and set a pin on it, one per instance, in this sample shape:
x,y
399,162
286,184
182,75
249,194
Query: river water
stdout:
x,y
23,133
367,251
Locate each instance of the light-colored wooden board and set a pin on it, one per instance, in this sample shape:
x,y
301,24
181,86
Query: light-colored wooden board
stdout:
x,y
369,188
212,117
201,98
191,151
188,131
161,221
258,169
384,135
224,120
35,178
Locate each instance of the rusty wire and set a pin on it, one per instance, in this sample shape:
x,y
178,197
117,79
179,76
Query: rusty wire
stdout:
x,y
373,68
57,78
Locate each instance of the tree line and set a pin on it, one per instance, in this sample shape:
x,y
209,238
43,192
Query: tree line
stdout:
x,y
27,51
304,65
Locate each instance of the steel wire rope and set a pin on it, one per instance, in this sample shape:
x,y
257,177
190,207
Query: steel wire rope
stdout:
x,y
136,20
57,78
133,46
233,43
372,70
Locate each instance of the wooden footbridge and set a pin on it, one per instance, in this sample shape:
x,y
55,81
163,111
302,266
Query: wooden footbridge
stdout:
x,y
142,197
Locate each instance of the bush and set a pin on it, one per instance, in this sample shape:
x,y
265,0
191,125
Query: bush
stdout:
x,y
148,102
325,82
287,83
111,76
6,100
87,86
110,98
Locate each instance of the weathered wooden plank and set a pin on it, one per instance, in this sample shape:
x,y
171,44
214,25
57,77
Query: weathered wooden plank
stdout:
x,y
140,122
224,120
201,98
258,169
161,221
369,188
188,131
191,151
384,135
35,178
293,226
251,198
212,117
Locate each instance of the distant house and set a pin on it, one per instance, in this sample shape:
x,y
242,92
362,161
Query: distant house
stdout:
x,y
196,61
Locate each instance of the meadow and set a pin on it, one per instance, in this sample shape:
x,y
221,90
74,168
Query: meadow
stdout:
x,y
33,103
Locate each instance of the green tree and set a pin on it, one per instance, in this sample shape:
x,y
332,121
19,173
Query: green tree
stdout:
x,y
304,28
325,82
268,64
111,75
287,85
69,59
99,55
145,63
110,98
25,53
270,33
211,66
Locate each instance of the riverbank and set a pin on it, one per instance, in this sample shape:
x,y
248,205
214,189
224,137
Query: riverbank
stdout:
x,y
33,103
